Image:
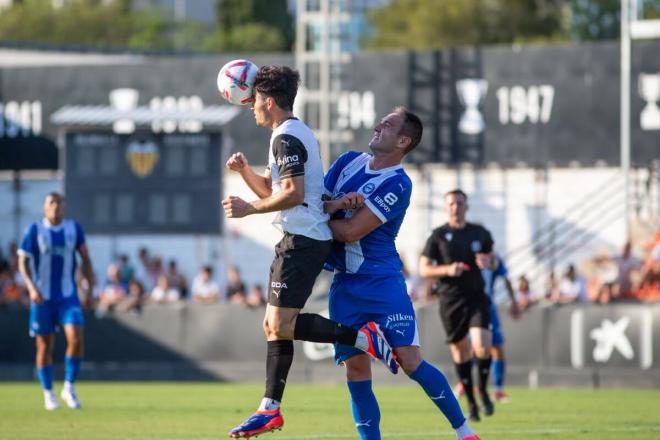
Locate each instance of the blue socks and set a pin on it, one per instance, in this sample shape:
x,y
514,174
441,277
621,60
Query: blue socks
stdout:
x,y
499,369
437,388
71,368
45,375
365,410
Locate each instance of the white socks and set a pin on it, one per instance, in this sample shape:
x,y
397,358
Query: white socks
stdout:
x,y
268,404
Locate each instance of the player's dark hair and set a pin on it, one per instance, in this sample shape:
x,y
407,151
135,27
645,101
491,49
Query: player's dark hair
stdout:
x,y
278,82
208,269
412,127
55,195
457,192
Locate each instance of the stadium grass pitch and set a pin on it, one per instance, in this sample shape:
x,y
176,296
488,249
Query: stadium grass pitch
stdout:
x,y
205,411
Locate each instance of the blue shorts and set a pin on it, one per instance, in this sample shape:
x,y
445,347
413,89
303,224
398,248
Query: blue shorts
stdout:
x,y
495,326
358,299
45,316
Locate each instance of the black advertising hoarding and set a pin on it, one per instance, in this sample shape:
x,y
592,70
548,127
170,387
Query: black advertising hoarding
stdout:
x,y
561,104
144,182
538,105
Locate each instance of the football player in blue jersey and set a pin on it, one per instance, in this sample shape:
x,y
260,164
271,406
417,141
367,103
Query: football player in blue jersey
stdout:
x,y
369,194
47,261
491,274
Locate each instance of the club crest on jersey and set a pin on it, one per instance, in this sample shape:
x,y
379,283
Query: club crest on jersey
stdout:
x,y
476,246
449,236
368,189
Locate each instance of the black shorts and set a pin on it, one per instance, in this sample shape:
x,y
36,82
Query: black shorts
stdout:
x,y
458,315
298,261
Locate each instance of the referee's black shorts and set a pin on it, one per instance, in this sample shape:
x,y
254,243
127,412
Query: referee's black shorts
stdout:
x,y
298,261
459,314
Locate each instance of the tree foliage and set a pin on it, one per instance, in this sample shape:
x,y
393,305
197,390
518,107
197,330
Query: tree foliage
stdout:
x,y
427,24
424,24
253,25
245,25
601,20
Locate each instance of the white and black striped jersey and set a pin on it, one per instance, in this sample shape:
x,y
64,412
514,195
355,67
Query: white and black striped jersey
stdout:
x,y
294,151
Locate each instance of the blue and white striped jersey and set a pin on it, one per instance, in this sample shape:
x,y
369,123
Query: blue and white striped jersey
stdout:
x,y
387,195
52,256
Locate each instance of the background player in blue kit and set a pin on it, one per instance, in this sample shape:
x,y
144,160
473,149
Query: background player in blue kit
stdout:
x,y
497,349
47,261
368,285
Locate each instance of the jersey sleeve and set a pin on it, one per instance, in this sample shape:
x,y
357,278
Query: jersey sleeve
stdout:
x,y
332,176
290,155
391,199
29,242
80,235
431,248
501,270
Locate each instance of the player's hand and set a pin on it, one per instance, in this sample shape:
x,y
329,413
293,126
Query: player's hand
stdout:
x,y
484,261
35,296
457,269
235,207
352,200
237,162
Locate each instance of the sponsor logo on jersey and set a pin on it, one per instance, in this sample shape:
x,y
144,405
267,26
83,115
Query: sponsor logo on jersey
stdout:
x,y
380,202
476,246
278,285
286,160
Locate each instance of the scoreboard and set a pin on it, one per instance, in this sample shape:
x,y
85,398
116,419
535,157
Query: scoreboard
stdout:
x,y
144,182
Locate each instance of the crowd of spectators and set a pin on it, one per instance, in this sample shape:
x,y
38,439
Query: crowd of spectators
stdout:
x,y
127,287
124,286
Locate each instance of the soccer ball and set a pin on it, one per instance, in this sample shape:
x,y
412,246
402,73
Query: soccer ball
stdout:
x,y
236,80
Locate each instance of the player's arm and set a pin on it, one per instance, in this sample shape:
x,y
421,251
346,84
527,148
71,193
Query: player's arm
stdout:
x,y
353,229
429,270
86,268
260,185
514,309
26,273
292,193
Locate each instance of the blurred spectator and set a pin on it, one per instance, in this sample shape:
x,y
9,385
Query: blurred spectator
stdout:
x,y
204,289
524,297
135,298
649,289
146,271
627,266
113,291
164,292
12,295
601,286
551,287
572,288
12,257
177,279
235,286
256,296
126,270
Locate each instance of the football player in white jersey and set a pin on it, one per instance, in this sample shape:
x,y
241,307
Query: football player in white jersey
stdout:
x,y
47,261
368,284
292,186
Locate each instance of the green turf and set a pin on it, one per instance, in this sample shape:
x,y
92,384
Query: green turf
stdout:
x,y
172,411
